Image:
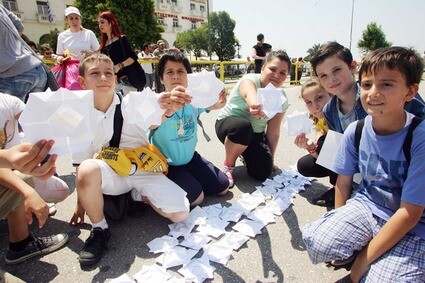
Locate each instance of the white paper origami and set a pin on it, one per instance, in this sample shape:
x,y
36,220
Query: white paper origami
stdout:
x,y
271,99
234,239
214,227
231,214
297,123
176,256
162,244
152,273
180,229
198,270
263,216
213,210
195,241
204,87
219,252
142,108
197,216
63,116
248,227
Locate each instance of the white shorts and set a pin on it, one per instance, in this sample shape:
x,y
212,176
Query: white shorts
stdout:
x,y
161,191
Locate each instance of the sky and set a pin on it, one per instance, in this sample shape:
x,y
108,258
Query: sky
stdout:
x,y
296,25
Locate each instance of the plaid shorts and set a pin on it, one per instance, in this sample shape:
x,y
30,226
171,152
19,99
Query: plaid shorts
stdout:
x,y
341,232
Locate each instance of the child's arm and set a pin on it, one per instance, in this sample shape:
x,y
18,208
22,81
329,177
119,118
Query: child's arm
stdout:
x,y
343,189
248,92
273,131
222,99
404,219
32,201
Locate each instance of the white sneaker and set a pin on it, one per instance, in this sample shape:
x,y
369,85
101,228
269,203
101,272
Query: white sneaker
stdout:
x,y
51,190
228,170
52,209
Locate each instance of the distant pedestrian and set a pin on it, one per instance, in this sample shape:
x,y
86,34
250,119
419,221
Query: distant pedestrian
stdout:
x,y
259,52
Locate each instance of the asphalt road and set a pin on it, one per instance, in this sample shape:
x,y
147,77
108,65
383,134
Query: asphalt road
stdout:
x,y
276,255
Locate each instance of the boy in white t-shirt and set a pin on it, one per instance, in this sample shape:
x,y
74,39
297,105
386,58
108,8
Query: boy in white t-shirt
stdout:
x,y
95,176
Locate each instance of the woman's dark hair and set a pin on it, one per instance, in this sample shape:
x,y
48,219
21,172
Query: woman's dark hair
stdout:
x,y
281,55
115,29
177,57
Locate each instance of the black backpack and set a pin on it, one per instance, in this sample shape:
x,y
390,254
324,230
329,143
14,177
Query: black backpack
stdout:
x,y
115,207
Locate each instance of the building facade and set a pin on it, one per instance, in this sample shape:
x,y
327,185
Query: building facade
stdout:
x,y
180,15
39,17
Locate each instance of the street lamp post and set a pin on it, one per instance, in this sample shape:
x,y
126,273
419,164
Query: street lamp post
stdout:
x,y
209,28
351,26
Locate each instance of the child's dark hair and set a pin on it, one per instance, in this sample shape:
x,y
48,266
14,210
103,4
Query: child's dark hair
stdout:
x,y
95,57
405,60
281,55
174,57
328,49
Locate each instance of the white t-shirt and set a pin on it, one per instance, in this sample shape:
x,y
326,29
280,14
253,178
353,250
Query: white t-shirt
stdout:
x,y
76,42
10,107
147,67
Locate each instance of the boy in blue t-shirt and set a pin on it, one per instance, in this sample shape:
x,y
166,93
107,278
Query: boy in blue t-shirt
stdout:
x,y
384,222
335,68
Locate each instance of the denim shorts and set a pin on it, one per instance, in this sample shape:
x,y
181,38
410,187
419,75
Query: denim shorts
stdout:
x,y
21,85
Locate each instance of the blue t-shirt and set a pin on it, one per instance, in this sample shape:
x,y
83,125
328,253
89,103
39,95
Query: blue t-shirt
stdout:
x,y
177,136
386,178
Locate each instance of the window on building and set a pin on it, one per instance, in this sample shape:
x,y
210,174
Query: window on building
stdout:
x,y
193,25
176,23
192,7
10,5
42,8
174,2
161,21
202,8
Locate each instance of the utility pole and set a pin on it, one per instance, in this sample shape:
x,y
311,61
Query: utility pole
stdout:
x,y
209,28
351,26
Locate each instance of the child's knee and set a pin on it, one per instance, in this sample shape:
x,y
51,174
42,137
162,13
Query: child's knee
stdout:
x,y
88,173
179,216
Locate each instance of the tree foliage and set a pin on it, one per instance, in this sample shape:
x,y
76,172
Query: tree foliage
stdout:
x,y
135,18
373,38
222,35
194,40
312,51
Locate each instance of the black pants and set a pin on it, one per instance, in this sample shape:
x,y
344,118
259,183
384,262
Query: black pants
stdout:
x,y
308,167
258,157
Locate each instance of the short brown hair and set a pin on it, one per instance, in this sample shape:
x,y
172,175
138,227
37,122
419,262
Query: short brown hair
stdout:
x,y
405,60
95,57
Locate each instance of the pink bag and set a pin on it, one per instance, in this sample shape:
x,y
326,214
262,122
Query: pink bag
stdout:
x,y
59,73
67,73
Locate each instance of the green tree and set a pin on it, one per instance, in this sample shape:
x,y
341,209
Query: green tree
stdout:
x,y
135,17
312,51
373,38
194,40
222,35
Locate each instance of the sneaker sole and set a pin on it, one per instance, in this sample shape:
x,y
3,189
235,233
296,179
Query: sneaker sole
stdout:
x,y
50,249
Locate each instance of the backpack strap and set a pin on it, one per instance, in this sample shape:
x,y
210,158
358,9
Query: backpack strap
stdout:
x,y
409,137
118,121
407,144
358,134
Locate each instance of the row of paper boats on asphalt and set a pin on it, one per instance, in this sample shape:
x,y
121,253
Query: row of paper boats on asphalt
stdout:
x,y
213,233
65,116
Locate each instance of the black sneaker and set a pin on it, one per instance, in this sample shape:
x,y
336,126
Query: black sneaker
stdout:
x,y
38,246
94,246
327,199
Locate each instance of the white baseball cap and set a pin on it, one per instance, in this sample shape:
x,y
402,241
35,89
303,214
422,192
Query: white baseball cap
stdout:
x,y
72,10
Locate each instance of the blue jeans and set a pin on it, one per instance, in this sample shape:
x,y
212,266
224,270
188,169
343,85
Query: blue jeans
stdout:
x,y
21,85
149,80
